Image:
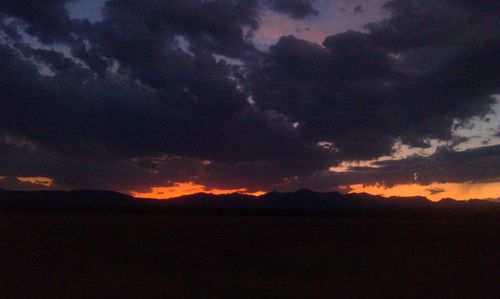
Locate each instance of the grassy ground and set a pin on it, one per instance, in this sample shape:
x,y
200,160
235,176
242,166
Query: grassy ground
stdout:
x,y
164,256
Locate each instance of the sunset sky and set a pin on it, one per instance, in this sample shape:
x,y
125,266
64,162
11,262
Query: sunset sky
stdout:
x,y
161,98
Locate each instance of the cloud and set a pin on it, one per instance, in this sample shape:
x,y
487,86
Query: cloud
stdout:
x,y
474,165
480,165
296,8
434,191
373,88
358,9
27,184
47,20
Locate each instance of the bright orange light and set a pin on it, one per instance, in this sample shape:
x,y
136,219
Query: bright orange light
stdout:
x,y
180,189
47,182
452,190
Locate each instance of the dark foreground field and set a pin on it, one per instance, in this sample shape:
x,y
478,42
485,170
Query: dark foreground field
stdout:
x,y
165,256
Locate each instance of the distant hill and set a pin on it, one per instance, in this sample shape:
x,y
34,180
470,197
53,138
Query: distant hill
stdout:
x,y
302,201
64,199
497,200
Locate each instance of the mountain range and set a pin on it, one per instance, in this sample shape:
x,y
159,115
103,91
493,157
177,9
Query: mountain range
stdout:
x,y
302,201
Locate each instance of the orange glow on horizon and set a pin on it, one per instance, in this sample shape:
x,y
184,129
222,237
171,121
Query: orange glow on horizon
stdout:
x,y
47,182
180,189
445,190
435,191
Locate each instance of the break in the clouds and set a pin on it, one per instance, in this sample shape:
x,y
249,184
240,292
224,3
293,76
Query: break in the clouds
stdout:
x,y
130,95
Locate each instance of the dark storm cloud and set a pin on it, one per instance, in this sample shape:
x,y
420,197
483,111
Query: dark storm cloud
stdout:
x,y
358,9
143,99
68,171
336,96
214,25
55,60
23,158
97,126
398,81
132,29
48,20
80,113
296,8
480,165
446,165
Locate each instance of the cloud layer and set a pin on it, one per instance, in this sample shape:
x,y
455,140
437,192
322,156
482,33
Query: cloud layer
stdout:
x,y
176,91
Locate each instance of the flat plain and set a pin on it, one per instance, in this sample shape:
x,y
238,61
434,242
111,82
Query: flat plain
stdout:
x,y
71,255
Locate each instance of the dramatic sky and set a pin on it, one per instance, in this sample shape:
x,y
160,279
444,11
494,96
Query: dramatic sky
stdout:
x,y
166,97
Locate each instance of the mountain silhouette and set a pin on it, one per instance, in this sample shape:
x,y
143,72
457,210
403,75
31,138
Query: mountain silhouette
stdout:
x,y
302,201
64,199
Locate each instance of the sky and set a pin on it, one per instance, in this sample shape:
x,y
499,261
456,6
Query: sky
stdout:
x,y
165,98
